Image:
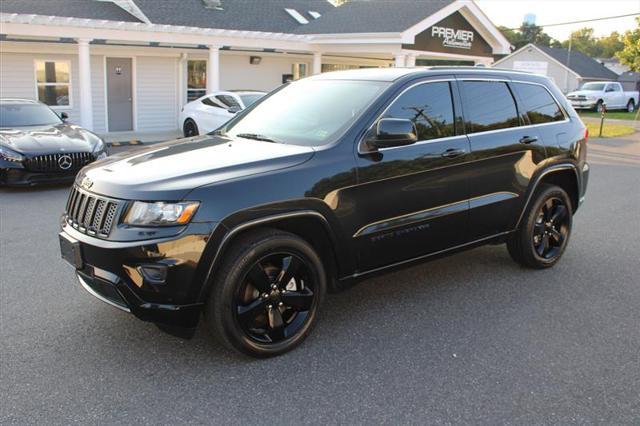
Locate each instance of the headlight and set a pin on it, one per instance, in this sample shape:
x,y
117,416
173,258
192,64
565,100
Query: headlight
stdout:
x,y
9,155
160,213
100,151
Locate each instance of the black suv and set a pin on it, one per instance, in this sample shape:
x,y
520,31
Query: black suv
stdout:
x,y
325,181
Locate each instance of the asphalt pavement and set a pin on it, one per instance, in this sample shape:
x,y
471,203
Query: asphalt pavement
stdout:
x,y
472,338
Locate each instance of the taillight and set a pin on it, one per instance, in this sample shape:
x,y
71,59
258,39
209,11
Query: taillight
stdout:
x,y
586,135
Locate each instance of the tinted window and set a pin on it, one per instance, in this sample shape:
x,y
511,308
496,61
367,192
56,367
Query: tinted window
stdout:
x,y
249,100
488,105
27,115
228,101
211,103
429,106
537,103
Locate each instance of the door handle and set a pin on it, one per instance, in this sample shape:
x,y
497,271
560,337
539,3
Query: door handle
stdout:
x,y
528,139
453,153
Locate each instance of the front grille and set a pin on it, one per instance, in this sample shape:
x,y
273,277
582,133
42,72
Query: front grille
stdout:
x,y
91,214
61,162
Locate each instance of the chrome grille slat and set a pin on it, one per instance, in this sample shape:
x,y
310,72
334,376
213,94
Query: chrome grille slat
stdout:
x,y
49,162
92,214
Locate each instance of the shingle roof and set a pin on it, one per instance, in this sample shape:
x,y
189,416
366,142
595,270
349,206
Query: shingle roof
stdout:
x,y
580,63
88,9
373,16
244,15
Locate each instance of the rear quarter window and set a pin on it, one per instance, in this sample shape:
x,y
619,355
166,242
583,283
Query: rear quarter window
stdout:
x,y
488,105
537,103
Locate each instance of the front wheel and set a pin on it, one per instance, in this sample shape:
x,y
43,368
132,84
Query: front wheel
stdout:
x,y
190,128
631,106
599,106
266,294
544,230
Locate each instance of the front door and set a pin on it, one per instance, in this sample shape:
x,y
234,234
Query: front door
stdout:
x,y
119,94
413,200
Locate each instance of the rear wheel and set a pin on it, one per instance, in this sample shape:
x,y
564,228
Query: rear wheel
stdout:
x,y
190,128
631,105
266,296
544,231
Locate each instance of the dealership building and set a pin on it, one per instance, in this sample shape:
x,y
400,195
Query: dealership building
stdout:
x,y
130,65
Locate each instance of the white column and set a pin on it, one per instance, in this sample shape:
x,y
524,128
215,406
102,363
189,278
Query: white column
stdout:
x,y
400,61
317,63
86,99
213,69
411,61
182,80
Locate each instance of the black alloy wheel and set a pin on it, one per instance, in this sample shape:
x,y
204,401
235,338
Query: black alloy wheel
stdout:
x,y
190,128
266,294
545,228
275,298
551,228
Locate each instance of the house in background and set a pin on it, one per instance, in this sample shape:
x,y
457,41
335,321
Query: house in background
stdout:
x,y
130,65
568,69
630,80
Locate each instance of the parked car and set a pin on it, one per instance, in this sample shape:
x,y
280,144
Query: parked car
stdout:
x,y
37,145
325,181
209,112
608,93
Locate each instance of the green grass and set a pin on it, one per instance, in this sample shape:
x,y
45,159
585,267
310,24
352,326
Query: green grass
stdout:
x,y
615,115
609,130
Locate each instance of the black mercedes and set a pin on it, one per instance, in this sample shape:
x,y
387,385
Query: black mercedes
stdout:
x,y
37,145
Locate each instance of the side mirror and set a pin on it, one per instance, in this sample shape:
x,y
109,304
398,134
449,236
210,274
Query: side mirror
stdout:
x,y
64,116
392,132
234,109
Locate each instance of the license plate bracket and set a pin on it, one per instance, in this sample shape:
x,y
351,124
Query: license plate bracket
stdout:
x,y
71,251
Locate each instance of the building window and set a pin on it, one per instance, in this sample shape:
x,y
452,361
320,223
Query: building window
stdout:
x,y
53,83
299,71
196,79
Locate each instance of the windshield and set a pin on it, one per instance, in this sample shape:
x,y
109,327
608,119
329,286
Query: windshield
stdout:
x,y
308,112
597,87
249,100
22,115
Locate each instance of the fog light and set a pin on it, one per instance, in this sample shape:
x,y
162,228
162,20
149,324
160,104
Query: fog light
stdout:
x,y
154,274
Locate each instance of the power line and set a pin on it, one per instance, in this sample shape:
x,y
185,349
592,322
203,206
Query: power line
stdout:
x,y
585,20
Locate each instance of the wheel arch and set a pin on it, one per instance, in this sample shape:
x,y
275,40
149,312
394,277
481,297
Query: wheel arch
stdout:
x,y
563,175
309,225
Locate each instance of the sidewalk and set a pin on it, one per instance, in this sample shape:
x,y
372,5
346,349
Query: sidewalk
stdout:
x,y
139,138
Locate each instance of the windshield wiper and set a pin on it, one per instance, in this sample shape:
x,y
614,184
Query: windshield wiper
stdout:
x,y
257,137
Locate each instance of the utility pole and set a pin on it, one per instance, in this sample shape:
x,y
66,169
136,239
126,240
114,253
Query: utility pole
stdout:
x,y
566,76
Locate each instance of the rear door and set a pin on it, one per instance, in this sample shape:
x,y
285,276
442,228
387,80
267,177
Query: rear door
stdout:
x,y
506,152
412,200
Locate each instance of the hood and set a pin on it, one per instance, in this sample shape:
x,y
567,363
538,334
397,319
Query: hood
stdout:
x,y
48,139
170,170
584,93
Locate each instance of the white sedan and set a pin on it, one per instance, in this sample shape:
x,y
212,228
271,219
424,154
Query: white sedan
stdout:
x,y
211,111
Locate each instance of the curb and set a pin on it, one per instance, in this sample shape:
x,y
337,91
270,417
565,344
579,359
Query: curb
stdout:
x,y
125,143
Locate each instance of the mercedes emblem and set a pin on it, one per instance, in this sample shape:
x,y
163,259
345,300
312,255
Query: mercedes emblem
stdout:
x,y
65,162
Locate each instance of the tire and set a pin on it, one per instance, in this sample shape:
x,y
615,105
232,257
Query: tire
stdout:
x,y
253,306
544,231
598,106
190,128
631,106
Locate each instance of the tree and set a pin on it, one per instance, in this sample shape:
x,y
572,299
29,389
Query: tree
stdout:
x,y
630,55
583,41
610,45
527,33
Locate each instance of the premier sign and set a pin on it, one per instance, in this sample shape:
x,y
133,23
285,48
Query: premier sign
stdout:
x,y
459,39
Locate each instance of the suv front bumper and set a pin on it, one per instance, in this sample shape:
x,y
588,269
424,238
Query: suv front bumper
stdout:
x,y
156,281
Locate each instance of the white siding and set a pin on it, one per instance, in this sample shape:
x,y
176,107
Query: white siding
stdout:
x,y
156,102
18,80
237,73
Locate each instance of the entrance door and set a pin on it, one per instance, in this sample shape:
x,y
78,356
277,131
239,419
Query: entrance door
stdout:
x,y
119,94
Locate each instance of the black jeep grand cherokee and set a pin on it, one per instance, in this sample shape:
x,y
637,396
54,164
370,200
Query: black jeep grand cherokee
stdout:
x,y
327,180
